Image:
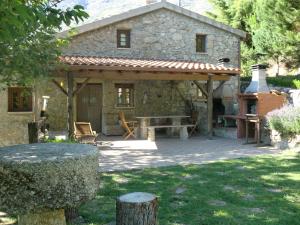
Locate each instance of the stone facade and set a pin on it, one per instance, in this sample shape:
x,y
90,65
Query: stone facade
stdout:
x,y
160,34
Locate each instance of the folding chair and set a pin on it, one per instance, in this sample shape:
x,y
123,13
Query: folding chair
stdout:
x,y
128,126
83,132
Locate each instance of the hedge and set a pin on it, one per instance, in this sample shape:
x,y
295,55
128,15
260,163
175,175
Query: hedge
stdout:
x,y
280,81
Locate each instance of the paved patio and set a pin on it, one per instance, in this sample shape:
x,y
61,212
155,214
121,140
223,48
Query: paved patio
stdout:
x,y
135,154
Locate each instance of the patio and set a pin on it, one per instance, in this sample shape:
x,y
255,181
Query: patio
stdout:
x,y
118,154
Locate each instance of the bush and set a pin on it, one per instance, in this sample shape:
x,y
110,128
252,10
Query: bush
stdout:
x,y
285,121
280,81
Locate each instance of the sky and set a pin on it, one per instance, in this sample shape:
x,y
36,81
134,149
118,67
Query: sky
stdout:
x,y
98,9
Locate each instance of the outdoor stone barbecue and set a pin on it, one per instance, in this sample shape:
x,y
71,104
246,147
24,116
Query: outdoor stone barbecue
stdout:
x,y
38,181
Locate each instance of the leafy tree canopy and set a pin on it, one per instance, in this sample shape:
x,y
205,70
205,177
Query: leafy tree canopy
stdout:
x,y
272,25
28,47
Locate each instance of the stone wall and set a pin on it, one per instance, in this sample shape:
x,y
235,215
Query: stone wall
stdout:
x,y
151,98
13,125
161,34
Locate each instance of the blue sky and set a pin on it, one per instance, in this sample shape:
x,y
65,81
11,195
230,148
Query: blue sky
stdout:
x,y
98,9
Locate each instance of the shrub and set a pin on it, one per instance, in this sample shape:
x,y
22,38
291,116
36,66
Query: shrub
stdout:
x,y
285,121
280,81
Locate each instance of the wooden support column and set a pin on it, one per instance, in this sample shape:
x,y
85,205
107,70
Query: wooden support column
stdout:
x,y
70,105
210,107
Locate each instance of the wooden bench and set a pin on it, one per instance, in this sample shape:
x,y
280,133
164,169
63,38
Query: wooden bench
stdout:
x,y
183,130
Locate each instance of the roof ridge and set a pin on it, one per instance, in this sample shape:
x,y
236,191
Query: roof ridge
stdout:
x,y
149,8
135,58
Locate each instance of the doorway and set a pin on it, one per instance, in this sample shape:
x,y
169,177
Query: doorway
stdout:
x,y
89,106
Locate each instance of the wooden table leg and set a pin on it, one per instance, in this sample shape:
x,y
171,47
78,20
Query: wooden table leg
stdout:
x,y
258,132
247,131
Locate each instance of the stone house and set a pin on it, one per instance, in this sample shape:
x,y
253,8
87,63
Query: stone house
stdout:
x,y
142,62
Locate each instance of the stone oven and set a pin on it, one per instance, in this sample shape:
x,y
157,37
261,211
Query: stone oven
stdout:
x,y
256,101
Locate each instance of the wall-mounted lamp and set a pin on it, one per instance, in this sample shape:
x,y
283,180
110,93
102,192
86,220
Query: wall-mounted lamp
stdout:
x,y
145,97
45,100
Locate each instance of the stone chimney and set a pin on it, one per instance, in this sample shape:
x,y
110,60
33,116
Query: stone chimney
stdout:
x,y
258,83
223,62
151,1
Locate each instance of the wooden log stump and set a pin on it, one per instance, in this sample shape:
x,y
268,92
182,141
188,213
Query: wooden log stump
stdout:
x,y
137,208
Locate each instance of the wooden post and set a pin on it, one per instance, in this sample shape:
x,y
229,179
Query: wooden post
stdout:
x,y
33,132
136,208
210,90
70,105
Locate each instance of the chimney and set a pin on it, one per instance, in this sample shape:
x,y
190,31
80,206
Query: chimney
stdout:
x,y
223,62
151,1
258,83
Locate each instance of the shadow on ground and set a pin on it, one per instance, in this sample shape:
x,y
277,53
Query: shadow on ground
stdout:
x,y
249,191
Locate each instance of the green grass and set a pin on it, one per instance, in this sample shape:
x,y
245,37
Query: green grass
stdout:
x,y
257,191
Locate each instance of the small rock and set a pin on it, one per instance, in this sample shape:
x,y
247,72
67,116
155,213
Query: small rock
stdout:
x,y
229,188
249,197
217,203
256,210
221,173
122,180
241,168
202,181
180,190
274,190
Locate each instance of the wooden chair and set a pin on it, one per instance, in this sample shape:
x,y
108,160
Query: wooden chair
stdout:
x,y
128,126
195,122
83,132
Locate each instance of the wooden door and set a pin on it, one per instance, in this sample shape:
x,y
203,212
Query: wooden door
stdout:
x,y
89,105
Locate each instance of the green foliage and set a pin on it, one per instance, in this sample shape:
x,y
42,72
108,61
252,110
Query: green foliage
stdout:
x,y
28,47
272,25
286,121
60,141
245,185
280,81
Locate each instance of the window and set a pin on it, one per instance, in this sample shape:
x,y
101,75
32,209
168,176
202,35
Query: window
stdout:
x,y
123,38
200,43
125,95
19,99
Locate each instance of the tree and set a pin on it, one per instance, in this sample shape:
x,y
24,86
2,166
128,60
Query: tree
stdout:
x,y
275,28
28,46
272,25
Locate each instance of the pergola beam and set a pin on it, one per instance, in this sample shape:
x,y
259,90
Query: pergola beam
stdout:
x,y
210,90
134,75
82,86
70,105
201,87
60,87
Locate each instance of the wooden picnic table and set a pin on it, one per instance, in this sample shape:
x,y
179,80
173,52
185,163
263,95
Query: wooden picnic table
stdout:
x,y
145,122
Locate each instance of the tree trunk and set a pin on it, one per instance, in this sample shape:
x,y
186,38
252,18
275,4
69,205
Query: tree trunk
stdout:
x,y
71,214
137,208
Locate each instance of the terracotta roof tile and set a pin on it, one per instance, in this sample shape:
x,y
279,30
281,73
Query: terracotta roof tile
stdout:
x,y
145,64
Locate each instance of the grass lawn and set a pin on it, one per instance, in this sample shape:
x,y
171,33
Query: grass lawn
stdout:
x,y
260,190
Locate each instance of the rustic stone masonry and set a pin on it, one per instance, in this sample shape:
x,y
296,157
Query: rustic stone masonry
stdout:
x,y
160,34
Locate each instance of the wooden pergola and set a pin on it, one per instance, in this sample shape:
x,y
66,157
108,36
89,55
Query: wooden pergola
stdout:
x,y
107,68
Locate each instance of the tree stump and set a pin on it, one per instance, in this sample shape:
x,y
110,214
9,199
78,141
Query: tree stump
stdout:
x,y
137,208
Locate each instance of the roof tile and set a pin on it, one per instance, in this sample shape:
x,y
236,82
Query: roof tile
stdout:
x,y
146,64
